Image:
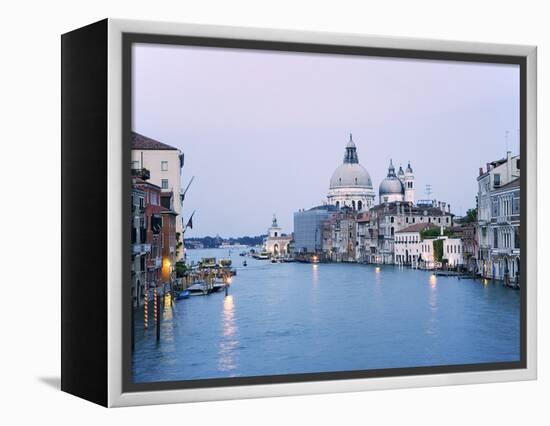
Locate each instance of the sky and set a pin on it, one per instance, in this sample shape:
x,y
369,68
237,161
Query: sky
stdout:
x,y
262,132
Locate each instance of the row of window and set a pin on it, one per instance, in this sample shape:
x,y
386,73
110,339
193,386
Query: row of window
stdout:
x,y
454,249
407,239
163,165
506,205
413,219
359,205
506,238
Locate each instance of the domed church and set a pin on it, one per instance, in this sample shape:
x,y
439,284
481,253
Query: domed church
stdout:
x,y
350,184
397,187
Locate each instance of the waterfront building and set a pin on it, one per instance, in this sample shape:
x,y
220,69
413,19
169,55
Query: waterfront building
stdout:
x,y
391,217
276,243
409,244
153,228
139,246
491,215
439,252
308,229
504,230
367,238
470,245
453,251
350,184
164,163
340,236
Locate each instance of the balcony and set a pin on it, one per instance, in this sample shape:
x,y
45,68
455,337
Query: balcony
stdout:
x,y
141,173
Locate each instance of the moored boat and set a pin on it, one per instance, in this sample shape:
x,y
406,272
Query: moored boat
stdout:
x,y
199,289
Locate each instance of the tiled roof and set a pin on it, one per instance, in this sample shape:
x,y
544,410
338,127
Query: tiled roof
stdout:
x,y
145,143
511,184
417,227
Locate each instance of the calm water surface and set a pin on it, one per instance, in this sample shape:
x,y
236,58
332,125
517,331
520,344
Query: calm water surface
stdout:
x,y
303,318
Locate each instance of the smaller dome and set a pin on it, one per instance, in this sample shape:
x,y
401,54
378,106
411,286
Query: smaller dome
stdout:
x,y
409,169
391,185
401,173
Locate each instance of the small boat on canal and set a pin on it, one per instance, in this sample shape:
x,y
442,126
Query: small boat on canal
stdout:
x,y
261,256
199,289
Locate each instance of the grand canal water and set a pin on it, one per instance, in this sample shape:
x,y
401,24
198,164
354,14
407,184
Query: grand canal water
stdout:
x,y
303,318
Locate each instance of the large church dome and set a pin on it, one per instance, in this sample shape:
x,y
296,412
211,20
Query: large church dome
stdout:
x,y
350,175
350,184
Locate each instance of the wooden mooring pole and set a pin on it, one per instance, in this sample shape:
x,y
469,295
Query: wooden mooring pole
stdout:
x,y
158,315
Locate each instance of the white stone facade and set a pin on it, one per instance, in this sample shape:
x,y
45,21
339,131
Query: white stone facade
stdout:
x,y
498,219
276,244
453,251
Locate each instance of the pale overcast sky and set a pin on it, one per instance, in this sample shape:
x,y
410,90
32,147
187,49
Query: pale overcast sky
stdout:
x,y
262,132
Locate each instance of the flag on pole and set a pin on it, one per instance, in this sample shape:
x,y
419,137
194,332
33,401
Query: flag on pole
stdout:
x,y
190,222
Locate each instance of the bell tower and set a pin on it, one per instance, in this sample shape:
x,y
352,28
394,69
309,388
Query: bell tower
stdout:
x,y
408,181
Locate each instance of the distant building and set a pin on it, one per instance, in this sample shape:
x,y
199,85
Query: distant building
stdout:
x,y
409,244
388,218
164,163
453,251
350,184
367,238
308,228
471,248
340,236
276,243
397,187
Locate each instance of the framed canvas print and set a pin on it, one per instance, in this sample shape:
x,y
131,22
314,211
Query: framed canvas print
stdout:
x,y
275,212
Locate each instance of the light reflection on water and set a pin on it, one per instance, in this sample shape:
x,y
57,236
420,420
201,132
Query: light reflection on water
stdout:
x,y
229,341
300,318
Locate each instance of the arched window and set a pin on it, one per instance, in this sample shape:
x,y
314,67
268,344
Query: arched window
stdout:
x,y
353,204
359,205
337,204
392,231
